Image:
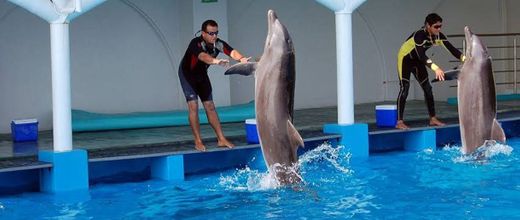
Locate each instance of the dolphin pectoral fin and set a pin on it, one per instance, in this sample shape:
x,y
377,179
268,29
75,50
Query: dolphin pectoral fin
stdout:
x,y
497,133
296,139
245,69
449,75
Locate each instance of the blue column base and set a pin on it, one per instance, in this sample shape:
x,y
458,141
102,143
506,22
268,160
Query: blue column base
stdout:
x,y
354,137
420,140
169,168
69,171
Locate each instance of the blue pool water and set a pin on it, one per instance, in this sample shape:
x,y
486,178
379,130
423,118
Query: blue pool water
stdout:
x,y
430,184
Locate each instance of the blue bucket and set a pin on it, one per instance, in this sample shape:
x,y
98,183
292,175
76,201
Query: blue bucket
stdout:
x,y
24,130
251,131
386,115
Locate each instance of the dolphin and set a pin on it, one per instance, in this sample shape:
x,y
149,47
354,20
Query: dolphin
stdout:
x,y
274,102
477,97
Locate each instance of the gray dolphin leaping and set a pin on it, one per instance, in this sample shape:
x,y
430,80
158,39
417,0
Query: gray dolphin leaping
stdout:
x,y
274,101
477,97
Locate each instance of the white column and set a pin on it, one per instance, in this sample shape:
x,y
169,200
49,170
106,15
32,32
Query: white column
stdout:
x,y
59,13
345,68
343,10
61,114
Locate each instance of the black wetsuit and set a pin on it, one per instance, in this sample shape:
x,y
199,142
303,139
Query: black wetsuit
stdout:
x,y
412,59
193,73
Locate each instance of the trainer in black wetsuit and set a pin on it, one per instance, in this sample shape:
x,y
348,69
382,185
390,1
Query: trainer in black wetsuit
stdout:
x,y
412,59
193,75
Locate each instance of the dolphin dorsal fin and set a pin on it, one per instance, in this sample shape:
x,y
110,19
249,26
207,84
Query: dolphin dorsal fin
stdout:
x,y
245,69
296,139
497,133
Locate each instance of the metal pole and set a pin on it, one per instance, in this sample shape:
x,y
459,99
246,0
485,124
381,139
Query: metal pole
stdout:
x,y
514,64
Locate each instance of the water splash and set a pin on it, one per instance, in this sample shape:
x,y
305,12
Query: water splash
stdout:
x,y
490,149
247,179
334,156
287,174
493,148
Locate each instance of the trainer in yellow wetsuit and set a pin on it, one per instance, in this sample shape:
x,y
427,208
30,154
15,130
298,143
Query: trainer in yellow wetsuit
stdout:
x,y
412,59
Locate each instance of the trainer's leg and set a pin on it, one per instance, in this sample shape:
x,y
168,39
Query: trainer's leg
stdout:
x,y
193,110
404,86
214,121
422,78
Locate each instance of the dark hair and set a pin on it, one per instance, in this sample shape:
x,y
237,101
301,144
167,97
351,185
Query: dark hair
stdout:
x,y
432,19
207,23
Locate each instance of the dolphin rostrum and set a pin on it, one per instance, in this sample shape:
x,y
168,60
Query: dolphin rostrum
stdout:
x,y
274,101
477,97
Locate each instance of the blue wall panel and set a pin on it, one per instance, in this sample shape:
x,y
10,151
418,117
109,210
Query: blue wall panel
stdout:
x,y
19,181
130,170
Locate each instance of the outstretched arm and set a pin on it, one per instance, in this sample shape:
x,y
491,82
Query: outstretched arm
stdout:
x,y
238,56
454,51
208,59
421,52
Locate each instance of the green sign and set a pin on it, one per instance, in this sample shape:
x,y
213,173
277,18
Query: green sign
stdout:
x,y
208,1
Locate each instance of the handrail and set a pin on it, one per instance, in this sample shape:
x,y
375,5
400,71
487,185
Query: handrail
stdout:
x,y
486,35
514,59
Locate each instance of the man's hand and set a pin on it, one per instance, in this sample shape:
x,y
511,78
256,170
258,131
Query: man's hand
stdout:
x,y
222,62
244,59
439,74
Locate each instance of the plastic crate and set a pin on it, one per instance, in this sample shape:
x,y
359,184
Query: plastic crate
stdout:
x,y
386,115
24,130
251,132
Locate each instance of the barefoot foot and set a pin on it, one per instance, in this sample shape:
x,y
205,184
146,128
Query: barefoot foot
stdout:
x,y
200,146
434,121
225,143
401,125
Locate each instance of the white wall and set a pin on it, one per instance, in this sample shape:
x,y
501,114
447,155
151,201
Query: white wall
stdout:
x,y
25,79
125,53
311,27
124,58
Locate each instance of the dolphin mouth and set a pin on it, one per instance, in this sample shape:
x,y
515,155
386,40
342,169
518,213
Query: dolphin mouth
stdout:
x,y
271,16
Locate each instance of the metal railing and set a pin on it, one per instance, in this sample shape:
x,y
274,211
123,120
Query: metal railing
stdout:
x,y
507,38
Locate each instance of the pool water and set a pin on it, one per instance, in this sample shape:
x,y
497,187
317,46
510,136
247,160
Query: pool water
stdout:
x,y
431,184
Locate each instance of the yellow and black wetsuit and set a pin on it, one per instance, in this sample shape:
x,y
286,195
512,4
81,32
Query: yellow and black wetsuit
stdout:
x,y
412,59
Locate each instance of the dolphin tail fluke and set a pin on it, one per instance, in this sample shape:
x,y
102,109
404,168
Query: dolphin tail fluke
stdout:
x,y
296,139
245,69
497,133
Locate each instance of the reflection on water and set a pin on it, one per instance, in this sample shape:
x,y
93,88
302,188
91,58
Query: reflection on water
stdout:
x,y
25,148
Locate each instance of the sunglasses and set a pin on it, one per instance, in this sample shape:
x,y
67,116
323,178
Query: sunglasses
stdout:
x,y
437,26
212,33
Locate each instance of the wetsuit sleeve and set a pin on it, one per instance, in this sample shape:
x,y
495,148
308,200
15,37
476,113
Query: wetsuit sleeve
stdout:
x,y
454,51
226,48
190,59
420,50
